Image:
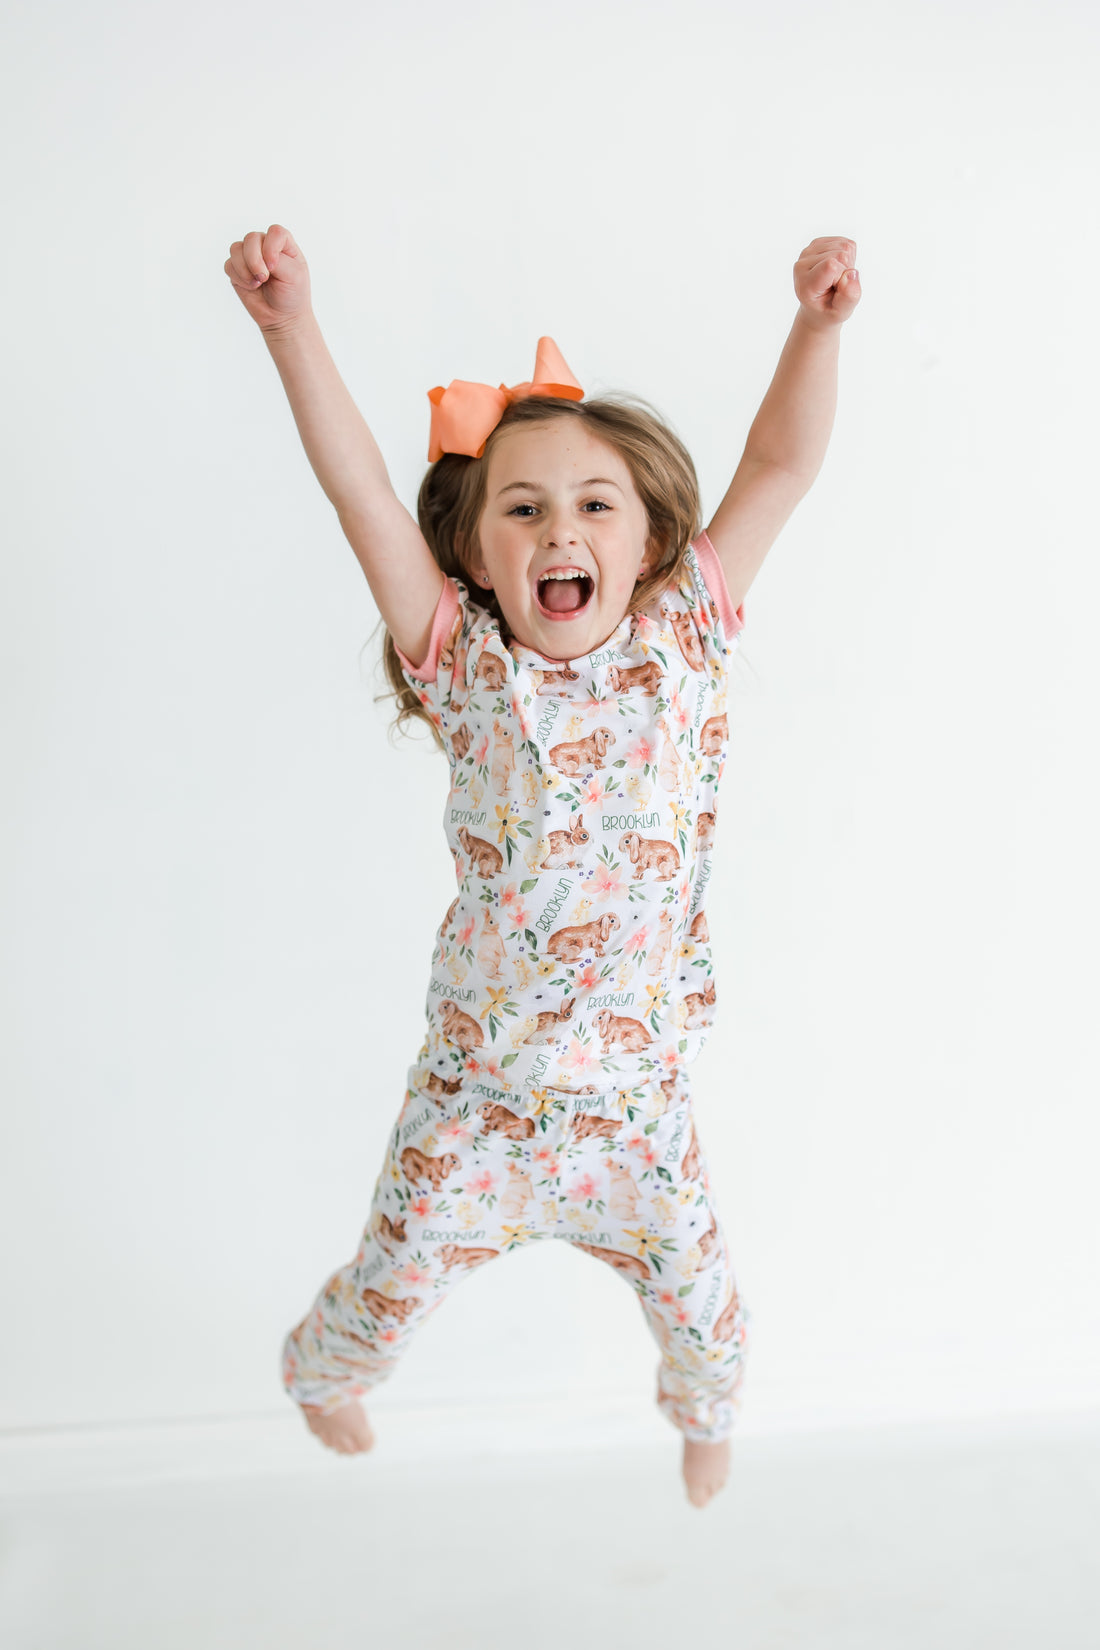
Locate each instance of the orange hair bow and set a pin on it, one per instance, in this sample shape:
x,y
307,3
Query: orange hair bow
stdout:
x,y
464,415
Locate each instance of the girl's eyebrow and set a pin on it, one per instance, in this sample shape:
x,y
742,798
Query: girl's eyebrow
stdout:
x,y
533,486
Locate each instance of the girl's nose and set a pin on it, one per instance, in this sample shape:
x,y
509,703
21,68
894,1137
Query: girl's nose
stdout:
x,y
559,531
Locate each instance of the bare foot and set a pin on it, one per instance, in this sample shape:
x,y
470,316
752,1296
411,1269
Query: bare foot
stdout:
x,y
346,1429
706,1467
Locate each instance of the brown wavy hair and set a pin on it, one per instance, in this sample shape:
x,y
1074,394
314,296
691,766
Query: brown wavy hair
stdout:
x,y
452,497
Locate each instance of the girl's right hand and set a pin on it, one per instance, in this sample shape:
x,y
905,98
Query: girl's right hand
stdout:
x,y
270,277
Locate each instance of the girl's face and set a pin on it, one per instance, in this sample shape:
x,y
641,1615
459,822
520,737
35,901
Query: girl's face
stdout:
x,y
558,500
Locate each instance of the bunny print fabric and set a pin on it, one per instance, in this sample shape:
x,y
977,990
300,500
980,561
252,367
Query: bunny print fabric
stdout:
x,y
581,818
571,986
474,1171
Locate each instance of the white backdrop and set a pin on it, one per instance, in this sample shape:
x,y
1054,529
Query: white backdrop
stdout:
x,y
221,880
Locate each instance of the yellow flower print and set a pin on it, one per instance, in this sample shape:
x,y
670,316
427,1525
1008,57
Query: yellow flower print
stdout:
x,y
429,1143
656,997
498,996
715,1354
543,1102
515,1234
506,823
643,1241
685,1194
547,965
679,817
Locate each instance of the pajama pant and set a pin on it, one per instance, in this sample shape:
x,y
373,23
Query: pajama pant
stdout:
x,y
473,1171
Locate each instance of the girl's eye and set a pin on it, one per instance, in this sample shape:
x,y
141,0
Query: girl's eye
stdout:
x,y
598,503
519,507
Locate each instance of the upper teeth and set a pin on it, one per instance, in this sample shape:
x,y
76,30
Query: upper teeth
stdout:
x,y
577,575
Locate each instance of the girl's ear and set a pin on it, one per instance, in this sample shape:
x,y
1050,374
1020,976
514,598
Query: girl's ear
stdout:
x,y
472,564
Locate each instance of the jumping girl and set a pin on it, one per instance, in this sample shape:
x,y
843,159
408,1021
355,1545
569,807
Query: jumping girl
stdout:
x,y
564,627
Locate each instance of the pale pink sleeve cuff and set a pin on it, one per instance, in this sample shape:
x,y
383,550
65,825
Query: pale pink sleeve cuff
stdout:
x,y
706,555
445,611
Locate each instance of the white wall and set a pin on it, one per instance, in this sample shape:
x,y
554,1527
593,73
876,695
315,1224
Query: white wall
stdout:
x,y
220,879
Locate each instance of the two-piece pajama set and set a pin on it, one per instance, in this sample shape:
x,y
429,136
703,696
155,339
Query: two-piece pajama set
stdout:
x,y
571,986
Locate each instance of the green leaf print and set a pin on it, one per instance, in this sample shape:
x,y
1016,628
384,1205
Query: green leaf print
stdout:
x,y
527,884
663,1172
686,1290
508,1058
531,940
651,1128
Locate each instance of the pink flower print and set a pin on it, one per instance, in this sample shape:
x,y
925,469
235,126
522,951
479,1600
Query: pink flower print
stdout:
x,y
644,1147
606,882
455,1132
519,915
589,980
583,1189
593,705
519,713
639,753
480,1182
669,1057
635,941
546,1158
411,1274
482,750
421,1206
592,795
678,710
472,1065
465,933
387,1335
510,893
579,1059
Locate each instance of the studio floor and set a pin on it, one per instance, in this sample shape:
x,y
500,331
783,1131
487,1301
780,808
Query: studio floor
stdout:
x,y
960,1536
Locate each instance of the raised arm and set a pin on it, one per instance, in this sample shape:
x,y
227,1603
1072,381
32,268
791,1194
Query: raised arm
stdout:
x,y
270,277
786,444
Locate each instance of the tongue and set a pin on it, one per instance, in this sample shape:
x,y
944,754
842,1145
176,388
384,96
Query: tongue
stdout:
x,y
562,595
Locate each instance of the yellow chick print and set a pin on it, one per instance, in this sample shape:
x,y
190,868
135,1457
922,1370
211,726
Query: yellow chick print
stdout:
x,y
456,966
524,975
536,852
581,911
664,1210
529,786
520,1033
639,789
574,727
476,792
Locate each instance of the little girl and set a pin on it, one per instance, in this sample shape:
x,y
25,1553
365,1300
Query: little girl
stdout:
x,y
564,627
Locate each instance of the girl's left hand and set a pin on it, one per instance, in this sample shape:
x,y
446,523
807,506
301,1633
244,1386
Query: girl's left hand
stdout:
x,y
826,281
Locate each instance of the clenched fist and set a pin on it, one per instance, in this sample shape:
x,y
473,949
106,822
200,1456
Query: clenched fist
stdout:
x,y
826,281
270,276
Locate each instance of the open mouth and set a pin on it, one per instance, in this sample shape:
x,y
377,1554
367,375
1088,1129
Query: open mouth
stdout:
x,y
563,596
